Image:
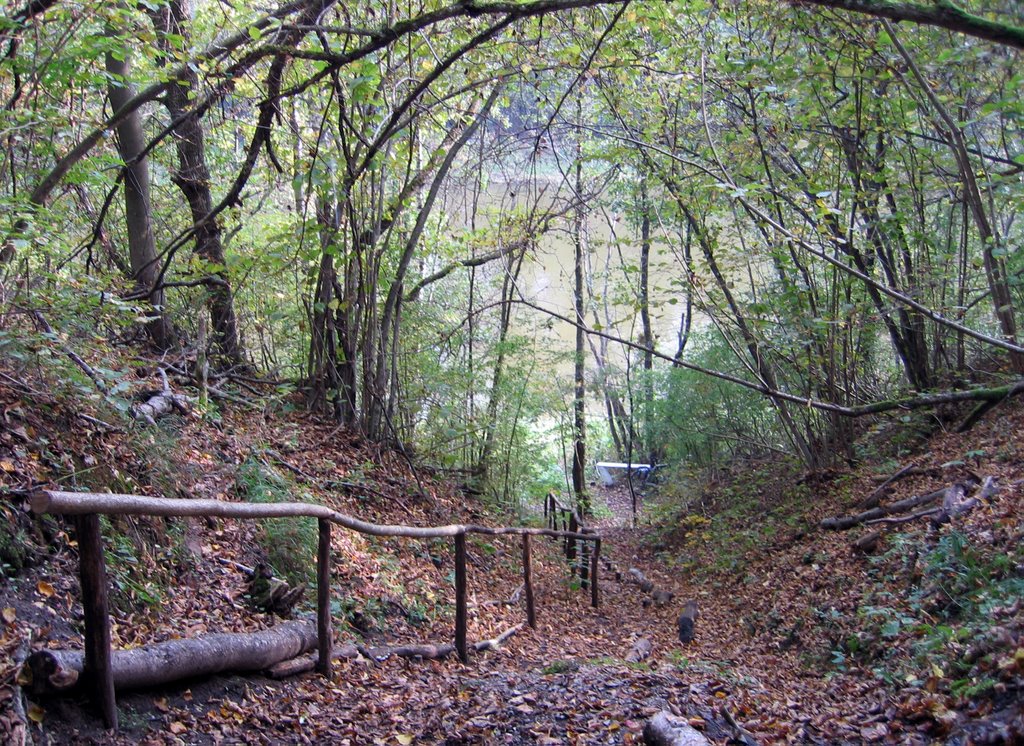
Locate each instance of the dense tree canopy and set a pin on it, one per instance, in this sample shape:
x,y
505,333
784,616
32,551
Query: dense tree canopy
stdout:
x,y
777,216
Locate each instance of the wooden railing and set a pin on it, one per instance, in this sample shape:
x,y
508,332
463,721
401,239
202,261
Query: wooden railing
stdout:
x,y
87,507
567,522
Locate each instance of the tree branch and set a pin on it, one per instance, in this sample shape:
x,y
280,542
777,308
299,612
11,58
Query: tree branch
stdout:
x,y
942,13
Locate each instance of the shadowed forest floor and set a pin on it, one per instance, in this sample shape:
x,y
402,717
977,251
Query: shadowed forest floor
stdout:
x,y
777,595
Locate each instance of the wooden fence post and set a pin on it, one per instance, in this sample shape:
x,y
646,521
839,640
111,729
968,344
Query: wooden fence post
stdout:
x,y
584,564
93,574
595,596
460,597
324,633
570,543
531,612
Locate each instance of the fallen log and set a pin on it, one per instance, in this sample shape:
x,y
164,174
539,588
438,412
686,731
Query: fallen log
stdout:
x,y
665,729
872,500
989,488
645,585
841,523
160,403
304,663
905,518
957,503
427,651
868,543
640,651
954,504
55,671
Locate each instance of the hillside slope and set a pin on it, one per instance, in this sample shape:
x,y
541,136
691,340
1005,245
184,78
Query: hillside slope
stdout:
x,y
799,639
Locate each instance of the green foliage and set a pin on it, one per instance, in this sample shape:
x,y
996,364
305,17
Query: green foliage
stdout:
x,y
928,631
290,543
14,543
131,583
720,530
704,422
560,666
143,559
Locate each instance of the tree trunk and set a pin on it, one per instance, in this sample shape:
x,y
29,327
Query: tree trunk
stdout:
x,y
647,385
152,665
762,367
995,266
143,259
508,289
453,144
193,179
579,440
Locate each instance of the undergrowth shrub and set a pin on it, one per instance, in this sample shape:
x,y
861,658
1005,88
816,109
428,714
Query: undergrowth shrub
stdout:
x,y
290,544
946,602
144,557
14,542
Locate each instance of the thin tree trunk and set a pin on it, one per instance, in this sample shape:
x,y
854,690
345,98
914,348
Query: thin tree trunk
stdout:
x,y
143,259
193,179
579,450
645,321
995,267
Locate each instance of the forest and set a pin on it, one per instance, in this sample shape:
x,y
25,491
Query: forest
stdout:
x,y
665,351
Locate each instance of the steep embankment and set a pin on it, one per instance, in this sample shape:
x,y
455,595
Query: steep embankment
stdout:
x,y
799,639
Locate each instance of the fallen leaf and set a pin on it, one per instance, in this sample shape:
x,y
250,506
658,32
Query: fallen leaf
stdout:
x,y
35,713
405,739
177,727
9,614
45,589
161,704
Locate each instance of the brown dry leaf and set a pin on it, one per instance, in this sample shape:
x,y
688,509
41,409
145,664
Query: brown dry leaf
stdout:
x,y
9,614
45,589
24,677
177,727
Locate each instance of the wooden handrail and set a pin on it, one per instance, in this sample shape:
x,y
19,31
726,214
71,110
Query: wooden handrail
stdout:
x,y
587,567
84,503
87,506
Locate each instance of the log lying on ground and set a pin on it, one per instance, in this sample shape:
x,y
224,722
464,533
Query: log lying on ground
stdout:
x,y
841,523
303,664
872,500
161,403
56,671
665,729
640,651
954,504
645,585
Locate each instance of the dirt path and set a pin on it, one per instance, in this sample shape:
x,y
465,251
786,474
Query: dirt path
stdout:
x,y
565,682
